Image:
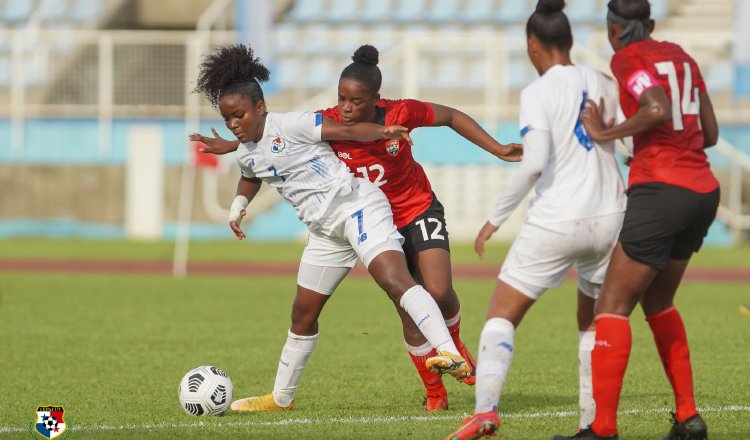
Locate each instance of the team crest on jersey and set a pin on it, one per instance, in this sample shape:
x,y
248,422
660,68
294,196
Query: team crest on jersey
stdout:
x,y
278,145
49,421
392,147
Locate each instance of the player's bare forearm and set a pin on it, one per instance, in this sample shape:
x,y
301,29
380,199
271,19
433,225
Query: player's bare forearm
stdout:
x,y
361,131
216,144
248,187
470,130
654,110
709,125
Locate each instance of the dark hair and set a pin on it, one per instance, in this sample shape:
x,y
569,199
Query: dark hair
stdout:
x,y
550,25
365,68
631,9
231,69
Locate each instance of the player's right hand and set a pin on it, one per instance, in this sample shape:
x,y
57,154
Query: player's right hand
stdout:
x,y
235,225
510,152
484,234
214,145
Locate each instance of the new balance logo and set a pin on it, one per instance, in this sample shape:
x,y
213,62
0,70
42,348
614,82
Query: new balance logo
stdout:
x,y
425,318
506,346
286,364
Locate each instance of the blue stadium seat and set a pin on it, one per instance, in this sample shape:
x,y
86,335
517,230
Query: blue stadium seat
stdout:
x,y
17,10
719,76
582,10
375,11
342,10
659,9
54,10
320,73
409,10
307,10
478,10
442,11
513,11
85,10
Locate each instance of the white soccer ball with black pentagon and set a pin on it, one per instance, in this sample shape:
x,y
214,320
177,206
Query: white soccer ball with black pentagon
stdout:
x,y
206,391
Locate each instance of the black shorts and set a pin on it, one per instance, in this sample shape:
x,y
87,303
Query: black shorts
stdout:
x,y
664,222
427,231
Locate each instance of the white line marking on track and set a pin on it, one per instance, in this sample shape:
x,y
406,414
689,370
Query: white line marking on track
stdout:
x,y
358,420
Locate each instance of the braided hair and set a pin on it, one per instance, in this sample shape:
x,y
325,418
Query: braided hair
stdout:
x,y
231,69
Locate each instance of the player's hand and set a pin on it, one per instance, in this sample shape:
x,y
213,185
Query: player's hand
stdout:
x,y
593,120
397,132
484,234
214,145
510,152
235,225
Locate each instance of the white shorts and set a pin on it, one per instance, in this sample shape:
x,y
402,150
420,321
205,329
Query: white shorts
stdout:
x,y
542,255
361,228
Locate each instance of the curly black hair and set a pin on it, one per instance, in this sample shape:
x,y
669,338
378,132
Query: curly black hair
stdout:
x,y
365,69
231,69
631,9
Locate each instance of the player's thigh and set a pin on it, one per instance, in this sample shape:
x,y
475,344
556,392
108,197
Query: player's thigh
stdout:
x,y
656,215
539,258
326,251
427,251
368,225
594,258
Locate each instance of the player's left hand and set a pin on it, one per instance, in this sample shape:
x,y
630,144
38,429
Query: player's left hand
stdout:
x,y
214,145
397,132
510,152
593,119
484,234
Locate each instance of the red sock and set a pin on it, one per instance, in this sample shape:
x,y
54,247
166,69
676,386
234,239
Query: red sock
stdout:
x,y
431,381
454,328
609,359
671,341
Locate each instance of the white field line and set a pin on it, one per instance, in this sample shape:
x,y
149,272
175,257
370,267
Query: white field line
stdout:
x,y
357,420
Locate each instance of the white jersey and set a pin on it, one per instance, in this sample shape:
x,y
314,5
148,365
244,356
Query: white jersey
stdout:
x,y
292,158
574,177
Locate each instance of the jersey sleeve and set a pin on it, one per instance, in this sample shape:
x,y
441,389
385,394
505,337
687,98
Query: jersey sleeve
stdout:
x,y
414,113
632,73
303,127
245,170
532,115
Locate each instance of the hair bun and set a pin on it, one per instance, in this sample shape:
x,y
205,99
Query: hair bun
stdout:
x,y
367,55
550,6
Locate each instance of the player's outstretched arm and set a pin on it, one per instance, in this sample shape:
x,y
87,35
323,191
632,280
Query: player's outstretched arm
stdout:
x,y
216,144
361,131
709,125
655,109
247,188
470,129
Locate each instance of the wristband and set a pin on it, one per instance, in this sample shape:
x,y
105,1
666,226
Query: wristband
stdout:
x,y
238,205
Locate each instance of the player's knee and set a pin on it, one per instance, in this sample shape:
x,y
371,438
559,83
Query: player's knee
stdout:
x,y
303,322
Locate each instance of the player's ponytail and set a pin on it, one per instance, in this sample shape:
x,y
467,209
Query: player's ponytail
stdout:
x,y
550,25
634,16
364,68
231,69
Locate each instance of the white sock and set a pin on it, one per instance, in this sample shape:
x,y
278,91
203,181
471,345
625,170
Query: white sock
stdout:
x,y
495,357
294,356
425,312
585,394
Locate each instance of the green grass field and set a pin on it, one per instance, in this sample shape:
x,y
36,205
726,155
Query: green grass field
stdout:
x,y
113,348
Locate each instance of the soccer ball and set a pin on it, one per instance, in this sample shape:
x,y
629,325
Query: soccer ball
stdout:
x,y
206,391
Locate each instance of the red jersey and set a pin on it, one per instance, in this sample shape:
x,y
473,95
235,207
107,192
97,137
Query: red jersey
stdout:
x,y
388,163
671,152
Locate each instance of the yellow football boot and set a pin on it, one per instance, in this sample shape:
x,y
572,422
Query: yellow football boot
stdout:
x,y
446,362
260,403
